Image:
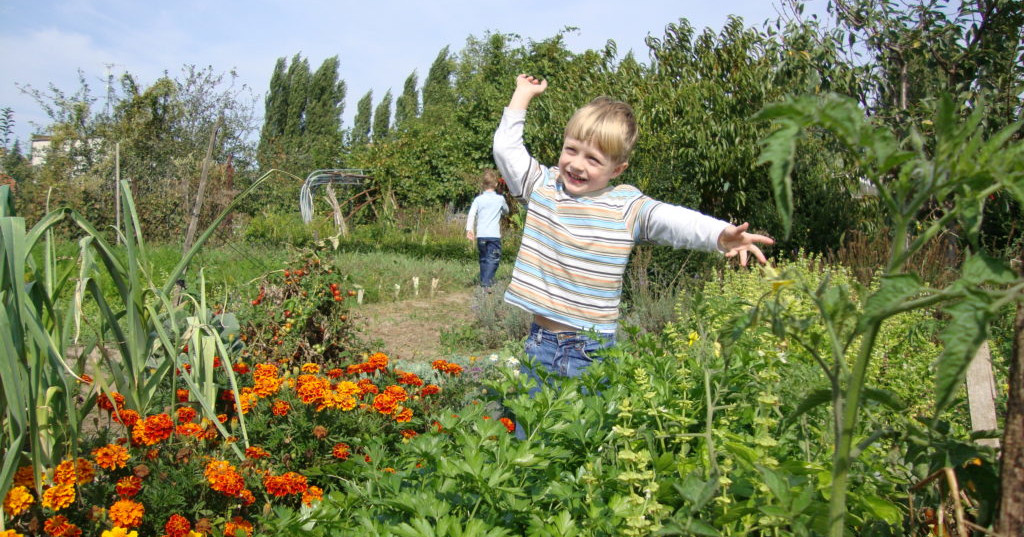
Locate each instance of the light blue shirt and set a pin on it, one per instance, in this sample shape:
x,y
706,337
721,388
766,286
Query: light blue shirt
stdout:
x,y
486,213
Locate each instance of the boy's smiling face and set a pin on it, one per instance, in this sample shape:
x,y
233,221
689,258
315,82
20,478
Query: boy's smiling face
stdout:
x,y
584,168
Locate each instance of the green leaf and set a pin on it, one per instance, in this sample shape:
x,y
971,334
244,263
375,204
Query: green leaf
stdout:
x,y
813,400
980,268
883,509
966,331
887,300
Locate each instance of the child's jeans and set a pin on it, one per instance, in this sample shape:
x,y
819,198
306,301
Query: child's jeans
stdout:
x,y
566,354
490,254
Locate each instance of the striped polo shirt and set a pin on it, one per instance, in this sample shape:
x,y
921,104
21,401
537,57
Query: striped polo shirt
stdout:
x,y
574,249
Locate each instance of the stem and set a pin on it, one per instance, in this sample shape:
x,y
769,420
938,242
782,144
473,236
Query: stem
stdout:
x,y
709,418
842,459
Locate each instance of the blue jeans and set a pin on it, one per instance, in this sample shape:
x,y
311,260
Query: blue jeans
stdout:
x,y
490,254
566,354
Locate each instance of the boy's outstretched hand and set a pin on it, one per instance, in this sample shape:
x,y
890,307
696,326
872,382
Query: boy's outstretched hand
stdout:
x,y
527,87
734,240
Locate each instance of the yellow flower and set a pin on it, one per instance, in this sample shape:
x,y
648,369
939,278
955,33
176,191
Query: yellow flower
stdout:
x,y
120,532
58,497
18,500
12,533
692,338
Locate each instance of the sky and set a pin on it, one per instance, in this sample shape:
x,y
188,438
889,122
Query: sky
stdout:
x,y
379,43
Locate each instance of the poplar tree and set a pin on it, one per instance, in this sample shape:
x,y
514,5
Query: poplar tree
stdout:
x,y
325,105
382,118
437,88
298,95
361,123
270,150
408,104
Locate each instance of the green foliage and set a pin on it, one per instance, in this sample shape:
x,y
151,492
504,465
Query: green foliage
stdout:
x,y
910,179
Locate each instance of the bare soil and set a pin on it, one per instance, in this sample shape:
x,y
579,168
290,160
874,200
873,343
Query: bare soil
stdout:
x,y
411,329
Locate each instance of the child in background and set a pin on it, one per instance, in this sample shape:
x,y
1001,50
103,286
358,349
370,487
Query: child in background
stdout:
x,y
579,230
484,225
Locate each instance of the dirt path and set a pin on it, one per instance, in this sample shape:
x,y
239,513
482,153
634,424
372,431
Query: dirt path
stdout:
x,y
411,329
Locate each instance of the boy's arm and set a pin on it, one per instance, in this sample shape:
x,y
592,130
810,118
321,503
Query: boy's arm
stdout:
x,y
735,240
680,227
517,166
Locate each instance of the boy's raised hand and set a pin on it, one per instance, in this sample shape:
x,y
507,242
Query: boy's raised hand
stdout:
x,y
527,87
734,240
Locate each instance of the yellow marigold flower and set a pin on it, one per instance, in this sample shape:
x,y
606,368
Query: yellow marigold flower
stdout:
x,y
126,513
10,533
309,367
111,456
17,501
119,532
59,496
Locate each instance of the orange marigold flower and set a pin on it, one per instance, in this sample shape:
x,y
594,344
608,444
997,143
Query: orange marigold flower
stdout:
x,y
385,404
59,526
111,456
223,478
128,486
182,395
247,497
59,496
430,389
280,408
126,416
10,533
110,401
65,473
509,424
25,477
398,393
367,386
256,453
126,513
189,429
153,430
409,379
378,361
341,451
335,373
17,501
409,433
86,379
311,388
446,367
404,415
388,469
185,414
177,526
319,431
312,494
310,368
240,368
285,484
238,523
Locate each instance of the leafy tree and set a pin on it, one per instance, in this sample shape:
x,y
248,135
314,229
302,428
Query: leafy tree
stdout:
x,y
298,98
407,106
382,118
361,124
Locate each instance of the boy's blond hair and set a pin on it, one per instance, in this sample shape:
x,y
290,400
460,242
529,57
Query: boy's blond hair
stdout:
x,y
608,124
489,179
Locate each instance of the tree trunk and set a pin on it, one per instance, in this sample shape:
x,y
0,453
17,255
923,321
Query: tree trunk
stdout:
x,y
1011,507
193,222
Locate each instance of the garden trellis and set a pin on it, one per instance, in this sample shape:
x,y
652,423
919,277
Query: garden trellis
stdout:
x,y
348,176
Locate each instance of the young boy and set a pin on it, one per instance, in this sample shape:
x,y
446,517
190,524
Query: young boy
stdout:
x,y
579,231
484,225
